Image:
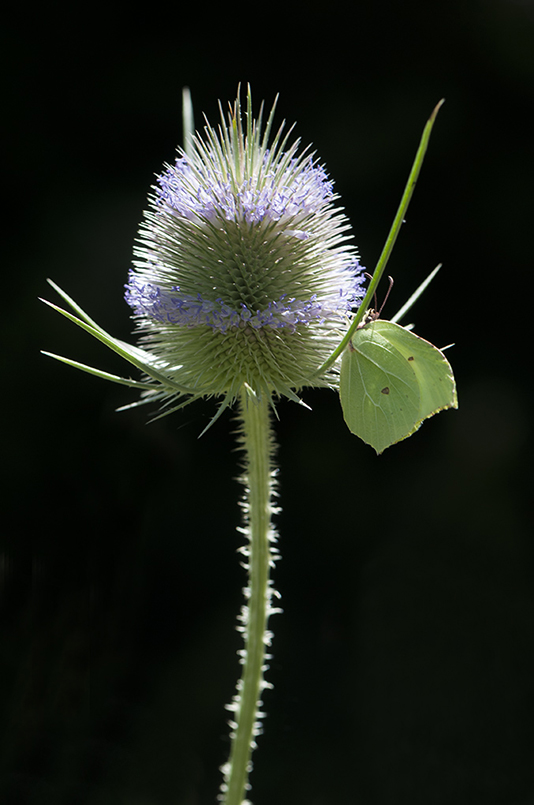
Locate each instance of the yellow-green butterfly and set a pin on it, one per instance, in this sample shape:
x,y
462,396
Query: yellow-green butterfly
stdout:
x,y
391,381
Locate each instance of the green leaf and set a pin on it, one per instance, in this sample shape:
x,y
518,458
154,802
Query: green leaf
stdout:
x,y
123,381
415,296
389,244
391,381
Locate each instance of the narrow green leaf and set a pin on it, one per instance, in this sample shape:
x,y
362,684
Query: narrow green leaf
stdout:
x,y
123,381
71,303
121,348
415,296
390,242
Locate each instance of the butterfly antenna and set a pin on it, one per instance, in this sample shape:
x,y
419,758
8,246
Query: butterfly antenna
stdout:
x,y
386,296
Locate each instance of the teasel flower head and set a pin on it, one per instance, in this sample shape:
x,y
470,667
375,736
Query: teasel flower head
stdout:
x,y
243,272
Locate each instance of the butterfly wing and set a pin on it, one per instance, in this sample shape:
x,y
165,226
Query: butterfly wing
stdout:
x,y
391,381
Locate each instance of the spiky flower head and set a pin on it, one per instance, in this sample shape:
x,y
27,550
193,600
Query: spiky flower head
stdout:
x,y
243,273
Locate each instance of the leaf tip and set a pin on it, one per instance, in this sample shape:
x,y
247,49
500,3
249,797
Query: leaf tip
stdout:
x,y
436,110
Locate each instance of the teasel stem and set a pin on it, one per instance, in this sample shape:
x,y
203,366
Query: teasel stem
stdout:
x,y
257,441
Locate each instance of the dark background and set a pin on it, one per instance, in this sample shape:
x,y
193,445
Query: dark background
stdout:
x,y
403,664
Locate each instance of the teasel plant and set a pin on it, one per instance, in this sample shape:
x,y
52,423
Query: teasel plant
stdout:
x,y
246,288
